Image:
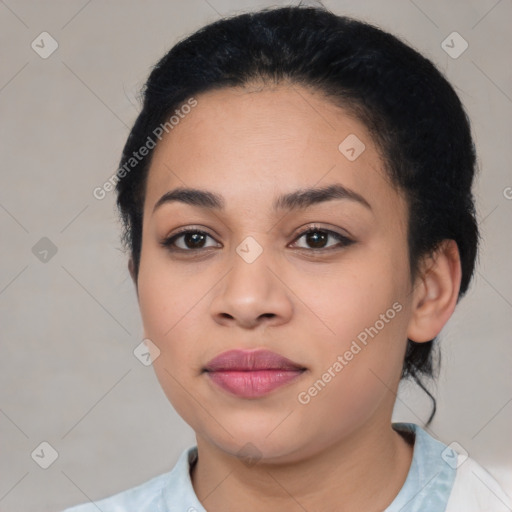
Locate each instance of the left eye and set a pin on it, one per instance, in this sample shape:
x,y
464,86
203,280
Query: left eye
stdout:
x,y
317,238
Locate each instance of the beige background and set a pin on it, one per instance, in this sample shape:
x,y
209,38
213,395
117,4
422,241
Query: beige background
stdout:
x,y
69,325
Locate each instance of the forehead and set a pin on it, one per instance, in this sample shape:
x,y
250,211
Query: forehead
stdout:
x,y
250,145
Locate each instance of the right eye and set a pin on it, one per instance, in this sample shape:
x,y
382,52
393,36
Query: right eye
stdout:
x,y
192,240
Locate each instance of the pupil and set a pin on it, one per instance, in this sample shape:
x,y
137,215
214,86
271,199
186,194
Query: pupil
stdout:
x,y
316,238
194,237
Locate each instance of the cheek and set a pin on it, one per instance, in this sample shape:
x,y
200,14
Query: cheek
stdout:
x,y
170,305
345,300
358,368
362,337
166,293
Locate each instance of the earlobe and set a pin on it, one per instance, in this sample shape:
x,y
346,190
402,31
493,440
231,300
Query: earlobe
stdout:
x,y
436,293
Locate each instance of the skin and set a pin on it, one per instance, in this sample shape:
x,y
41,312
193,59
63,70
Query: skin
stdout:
x,y
339,451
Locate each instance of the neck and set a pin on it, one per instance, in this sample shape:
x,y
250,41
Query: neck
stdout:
x,y
364,471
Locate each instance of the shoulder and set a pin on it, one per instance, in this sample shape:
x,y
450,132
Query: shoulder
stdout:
x,y
475,490
169,492
143,498
440,478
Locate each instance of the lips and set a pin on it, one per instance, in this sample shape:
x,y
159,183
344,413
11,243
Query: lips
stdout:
x,y
245,360
252,374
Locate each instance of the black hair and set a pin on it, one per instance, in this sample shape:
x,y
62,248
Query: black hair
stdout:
x,y
416,117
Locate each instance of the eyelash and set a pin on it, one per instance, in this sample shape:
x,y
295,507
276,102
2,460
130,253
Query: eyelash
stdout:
x,y
344,241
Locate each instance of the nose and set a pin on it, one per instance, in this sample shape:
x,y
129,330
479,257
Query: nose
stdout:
x,y
252,293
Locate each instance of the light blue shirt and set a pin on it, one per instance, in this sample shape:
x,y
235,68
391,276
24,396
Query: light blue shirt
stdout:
x,y
427,486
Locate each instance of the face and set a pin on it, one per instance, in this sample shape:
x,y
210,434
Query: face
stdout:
x,y
336,301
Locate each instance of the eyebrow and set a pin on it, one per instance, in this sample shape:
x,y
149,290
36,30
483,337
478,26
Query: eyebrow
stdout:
x,y
301,198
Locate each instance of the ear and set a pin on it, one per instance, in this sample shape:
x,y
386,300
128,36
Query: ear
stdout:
x,y
131,269
435,293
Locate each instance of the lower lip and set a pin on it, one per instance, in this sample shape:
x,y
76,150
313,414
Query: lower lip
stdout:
x,y
253,384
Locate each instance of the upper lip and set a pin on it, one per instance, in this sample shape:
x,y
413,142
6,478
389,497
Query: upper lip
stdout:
x,y
250,360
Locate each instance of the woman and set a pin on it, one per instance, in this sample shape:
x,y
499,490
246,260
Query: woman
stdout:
x,y
296,198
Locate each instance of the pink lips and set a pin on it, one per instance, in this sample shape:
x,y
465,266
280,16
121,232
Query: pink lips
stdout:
x,y
251,374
